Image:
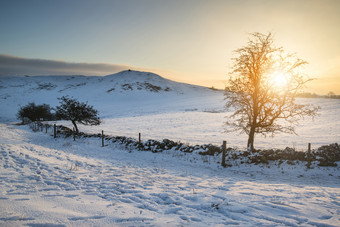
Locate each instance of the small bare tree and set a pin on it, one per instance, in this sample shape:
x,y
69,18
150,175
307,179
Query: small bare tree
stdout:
x,y
77,112
262,89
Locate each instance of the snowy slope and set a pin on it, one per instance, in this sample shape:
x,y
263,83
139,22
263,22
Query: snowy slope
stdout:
x,y
122,94
59,182
130,102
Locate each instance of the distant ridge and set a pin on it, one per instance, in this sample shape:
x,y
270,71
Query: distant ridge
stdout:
x,y
129,88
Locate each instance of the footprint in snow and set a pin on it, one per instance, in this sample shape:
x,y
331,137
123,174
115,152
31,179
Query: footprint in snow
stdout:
x,y
71,196
16,218
45,225
325,217
85,218
23,199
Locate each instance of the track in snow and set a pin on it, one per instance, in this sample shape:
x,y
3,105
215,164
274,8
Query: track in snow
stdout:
x,y
61,182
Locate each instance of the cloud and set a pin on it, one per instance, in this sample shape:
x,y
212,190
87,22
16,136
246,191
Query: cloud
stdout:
x,y
12,65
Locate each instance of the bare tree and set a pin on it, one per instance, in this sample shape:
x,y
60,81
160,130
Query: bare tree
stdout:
x,y
75,111
262,88
331,94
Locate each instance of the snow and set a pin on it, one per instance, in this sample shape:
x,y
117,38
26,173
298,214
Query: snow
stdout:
x,y
179,112
61,182
47,181
204,127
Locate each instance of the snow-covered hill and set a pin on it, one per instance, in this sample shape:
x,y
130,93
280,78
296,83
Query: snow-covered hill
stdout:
x,y
61,182
130,102
127,93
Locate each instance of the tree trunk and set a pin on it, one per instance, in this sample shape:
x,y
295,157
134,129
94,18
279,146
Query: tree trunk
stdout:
x,y
75,126
250,144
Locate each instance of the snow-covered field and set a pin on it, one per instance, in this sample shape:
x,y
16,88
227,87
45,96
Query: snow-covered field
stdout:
x,y
204,127
59,182
131,102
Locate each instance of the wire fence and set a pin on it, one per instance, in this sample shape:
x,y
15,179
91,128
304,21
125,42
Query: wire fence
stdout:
x,y
326,155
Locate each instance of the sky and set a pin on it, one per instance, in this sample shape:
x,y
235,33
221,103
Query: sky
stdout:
x,y
189,41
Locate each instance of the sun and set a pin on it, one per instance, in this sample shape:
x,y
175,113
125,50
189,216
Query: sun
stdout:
x,y
278,79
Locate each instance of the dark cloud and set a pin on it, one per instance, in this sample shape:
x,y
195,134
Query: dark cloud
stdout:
x,y
12,65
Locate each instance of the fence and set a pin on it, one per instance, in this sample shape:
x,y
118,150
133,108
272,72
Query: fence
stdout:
x,y
207,149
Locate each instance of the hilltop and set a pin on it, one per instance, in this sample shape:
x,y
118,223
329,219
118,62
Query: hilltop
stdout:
x,y
130,92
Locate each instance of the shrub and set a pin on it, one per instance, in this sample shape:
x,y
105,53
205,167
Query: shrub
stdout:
x,y
33,112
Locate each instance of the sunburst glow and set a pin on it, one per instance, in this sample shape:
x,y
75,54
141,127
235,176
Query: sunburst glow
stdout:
x,y
278,79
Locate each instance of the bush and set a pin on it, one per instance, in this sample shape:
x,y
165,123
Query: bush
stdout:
x,y
33,112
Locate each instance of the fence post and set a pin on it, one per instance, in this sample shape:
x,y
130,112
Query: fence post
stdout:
x,y
54,131
102,138
139,140
308,156
42,127
224,148
74,134
46,125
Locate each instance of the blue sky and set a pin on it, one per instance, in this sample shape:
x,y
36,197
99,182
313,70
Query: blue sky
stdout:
x,y
190,41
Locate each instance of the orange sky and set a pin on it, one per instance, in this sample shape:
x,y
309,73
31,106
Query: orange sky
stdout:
x,y
190,41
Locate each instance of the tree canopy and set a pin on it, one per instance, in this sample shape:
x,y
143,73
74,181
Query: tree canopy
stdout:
x,y
262,89
77,112
34,112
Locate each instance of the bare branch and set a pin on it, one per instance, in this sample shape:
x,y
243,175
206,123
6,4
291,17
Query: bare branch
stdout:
x,y
258,104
